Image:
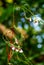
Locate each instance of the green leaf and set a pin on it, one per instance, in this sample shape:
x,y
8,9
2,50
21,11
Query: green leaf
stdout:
x,y
6,14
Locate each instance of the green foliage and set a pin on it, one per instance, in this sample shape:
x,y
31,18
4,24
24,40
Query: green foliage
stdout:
x,y
18,14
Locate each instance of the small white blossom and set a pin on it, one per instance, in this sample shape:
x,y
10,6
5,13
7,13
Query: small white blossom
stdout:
x,y
30,19
36,22
17,50
13,48
21,51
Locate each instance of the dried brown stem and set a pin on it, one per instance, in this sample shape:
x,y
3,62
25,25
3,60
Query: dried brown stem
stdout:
x,y
6,32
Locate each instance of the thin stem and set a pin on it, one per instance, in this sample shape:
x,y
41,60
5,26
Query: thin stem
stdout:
x,y
22,60
27,59
27,10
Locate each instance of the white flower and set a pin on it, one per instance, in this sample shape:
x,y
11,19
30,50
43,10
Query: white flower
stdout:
x,y
21,51
13,48
17,50
30,19
36,19
36,22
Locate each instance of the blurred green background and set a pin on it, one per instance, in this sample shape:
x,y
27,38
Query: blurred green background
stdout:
x,y
27,15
